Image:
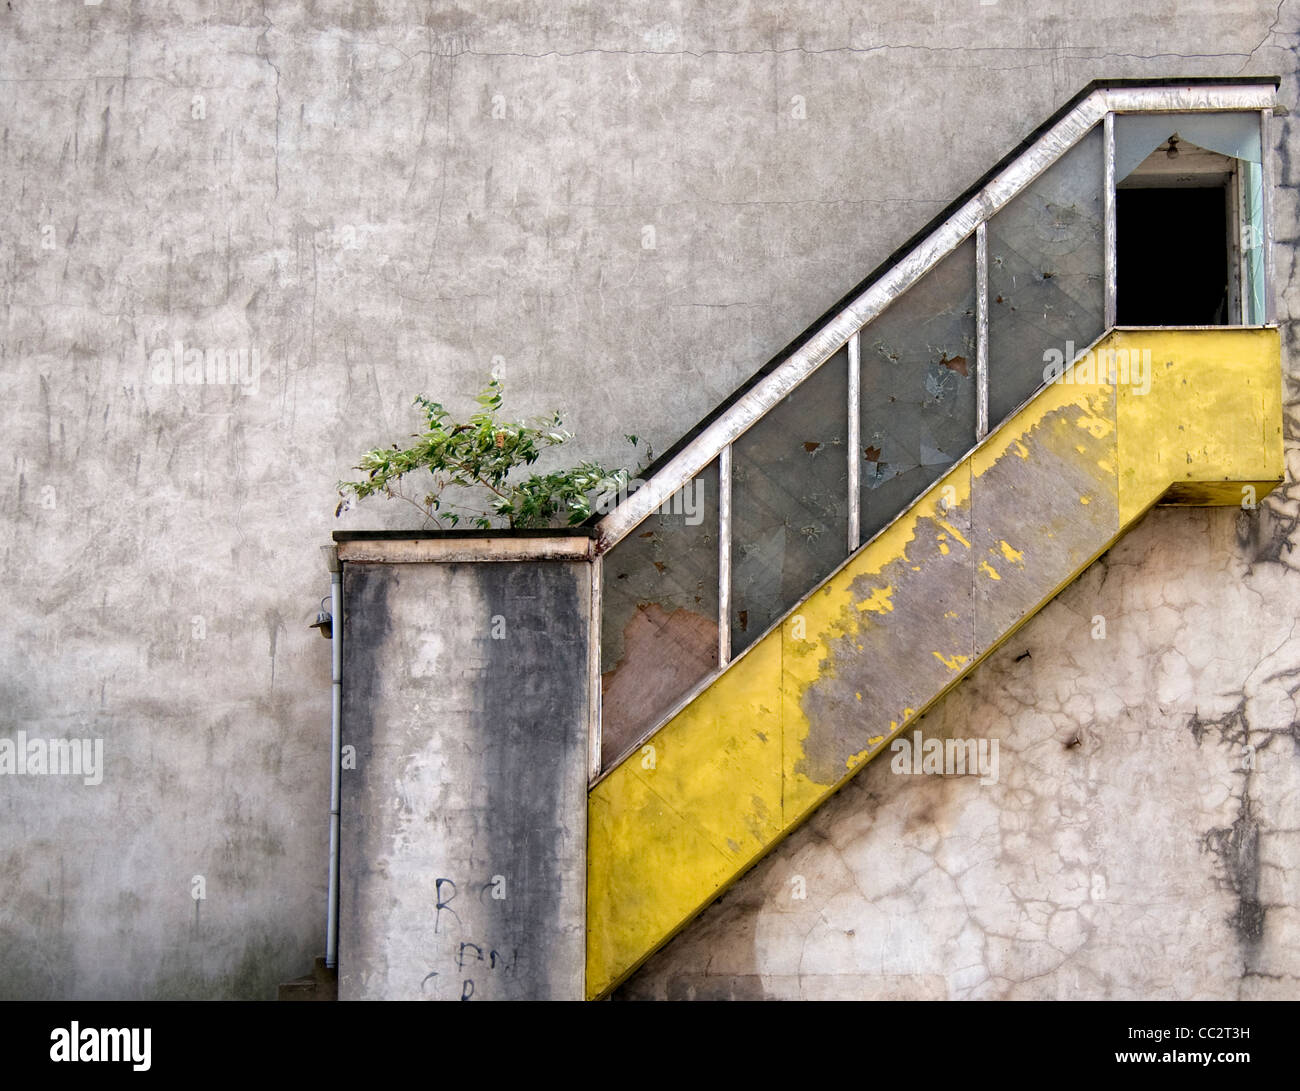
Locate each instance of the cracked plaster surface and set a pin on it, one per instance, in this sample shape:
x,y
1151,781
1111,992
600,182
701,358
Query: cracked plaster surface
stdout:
x,y
1142,840
348,204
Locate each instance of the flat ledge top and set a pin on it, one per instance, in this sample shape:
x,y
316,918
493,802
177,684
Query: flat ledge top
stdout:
x,y
465,547
461,535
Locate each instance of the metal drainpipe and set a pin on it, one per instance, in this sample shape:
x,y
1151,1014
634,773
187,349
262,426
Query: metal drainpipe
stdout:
x,y
336,724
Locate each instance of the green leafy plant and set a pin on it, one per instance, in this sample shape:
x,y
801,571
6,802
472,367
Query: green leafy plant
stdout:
x,y
480,455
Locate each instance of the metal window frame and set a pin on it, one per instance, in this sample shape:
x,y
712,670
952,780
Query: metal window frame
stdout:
x,y
596,698
1236,258
1109,221
981,332
724,557
855,443
1266,212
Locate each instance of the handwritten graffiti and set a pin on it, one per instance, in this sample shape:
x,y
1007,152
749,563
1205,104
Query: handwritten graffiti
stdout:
x,y
443,901
494,959
471,962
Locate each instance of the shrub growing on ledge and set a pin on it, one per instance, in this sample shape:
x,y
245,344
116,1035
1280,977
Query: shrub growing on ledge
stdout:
x,y
479,456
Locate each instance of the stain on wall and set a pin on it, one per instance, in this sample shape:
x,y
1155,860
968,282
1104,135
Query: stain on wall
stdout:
x,y
463,835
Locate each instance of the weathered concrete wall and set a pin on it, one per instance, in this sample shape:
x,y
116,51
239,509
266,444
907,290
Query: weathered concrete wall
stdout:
x,y
1139,841
463,862
380,201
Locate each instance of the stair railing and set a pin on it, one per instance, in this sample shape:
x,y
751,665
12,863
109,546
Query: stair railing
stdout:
x,y
1093,110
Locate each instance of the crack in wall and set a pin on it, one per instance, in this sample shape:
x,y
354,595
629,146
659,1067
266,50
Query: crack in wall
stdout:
x,y
1236,847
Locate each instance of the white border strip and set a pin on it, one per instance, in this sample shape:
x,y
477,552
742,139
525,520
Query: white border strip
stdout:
x,y
724,556
981,332
1109,222
1266,211
595,698
855,443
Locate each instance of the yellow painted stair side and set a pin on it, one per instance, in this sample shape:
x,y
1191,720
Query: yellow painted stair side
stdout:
x,y
913,611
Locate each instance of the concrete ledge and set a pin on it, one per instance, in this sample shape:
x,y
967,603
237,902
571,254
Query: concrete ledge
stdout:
x,y
571,547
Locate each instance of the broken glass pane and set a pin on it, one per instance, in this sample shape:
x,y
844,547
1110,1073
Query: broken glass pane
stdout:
x,y
789,501
659,617
1235,135
1252,243
1046,274
918,388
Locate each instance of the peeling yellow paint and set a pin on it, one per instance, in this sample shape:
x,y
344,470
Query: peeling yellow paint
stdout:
x,y
877,602
954,532
1210,416
989,570
730,778
1097,427
952,662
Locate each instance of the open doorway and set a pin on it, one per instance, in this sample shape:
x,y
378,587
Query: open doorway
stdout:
x,y
1175,230
1172,257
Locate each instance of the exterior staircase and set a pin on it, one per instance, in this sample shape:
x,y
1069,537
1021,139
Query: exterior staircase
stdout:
x,y
896,494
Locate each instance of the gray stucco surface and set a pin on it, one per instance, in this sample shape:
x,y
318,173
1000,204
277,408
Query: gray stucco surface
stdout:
x,y
463,866
385,200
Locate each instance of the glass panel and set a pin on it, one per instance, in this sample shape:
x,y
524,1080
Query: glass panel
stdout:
x,y
1046,274
659,617
1235,135
1252,243
918,388
789,501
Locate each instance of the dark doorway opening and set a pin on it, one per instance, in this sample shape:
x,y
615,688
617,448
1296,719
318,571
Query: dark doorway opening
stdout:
x,y
1171,257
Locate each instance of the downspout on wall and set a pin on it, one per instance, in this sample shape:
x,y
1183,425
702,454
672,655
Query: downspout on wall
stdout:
x,y
336,722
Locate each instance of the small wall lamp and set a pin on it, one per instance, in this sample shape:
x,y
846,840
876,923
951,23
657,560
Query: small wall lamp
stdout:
x,y
324,622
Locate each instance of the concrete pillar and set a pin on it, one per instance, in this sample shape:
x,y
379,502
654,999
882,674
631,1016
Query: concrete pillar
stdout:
x,y
463,832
